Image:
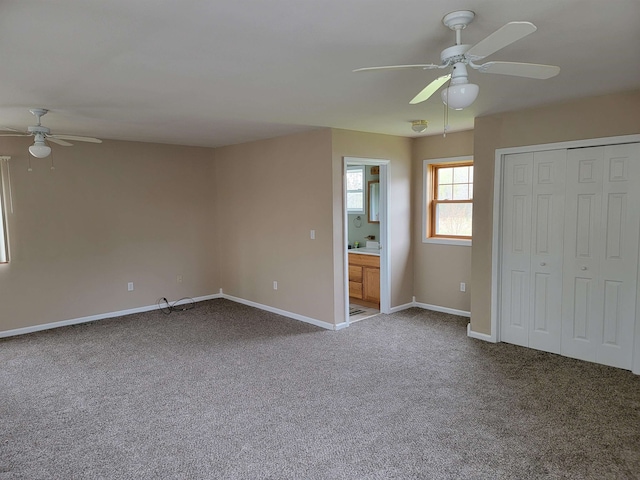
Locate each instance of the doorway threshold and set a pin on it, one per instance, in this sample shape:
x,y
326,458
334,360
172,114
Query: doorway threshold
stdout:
x,y
359,312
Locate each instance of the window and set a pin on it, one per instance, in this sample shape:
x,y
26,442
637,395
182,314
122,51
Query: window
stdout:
x,y
4,250
355,189
449,200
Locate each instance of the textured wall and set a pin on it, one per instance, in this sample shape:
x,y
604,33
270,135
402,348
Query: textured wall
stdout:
x,y
439,269
107,215
271,194
594,117
398,150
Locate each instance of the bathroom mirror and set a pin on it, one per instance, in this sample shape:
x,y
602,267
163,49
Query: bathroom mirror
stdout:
x,y
374,201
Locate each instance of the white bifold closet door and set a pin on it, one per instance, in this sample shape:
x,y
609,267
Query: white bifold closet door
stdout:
x,y
531,273
601,254
569,258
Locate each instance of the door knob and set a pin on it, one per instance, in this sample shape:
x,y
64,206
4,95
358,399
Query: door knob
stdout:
x,y
542,264
583,268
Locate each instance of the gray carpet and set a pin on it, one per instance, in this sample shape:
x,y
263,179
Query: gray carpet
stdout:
x,y
228,391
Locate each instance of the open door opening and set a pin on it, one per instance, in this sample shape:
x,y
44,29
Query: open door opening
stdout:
x,y
367,286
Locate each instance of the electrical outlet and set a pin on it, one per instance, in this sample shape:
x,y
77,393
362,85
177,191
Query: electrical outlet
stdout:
x,y
275,285
130,286
313,234
179,279
463,287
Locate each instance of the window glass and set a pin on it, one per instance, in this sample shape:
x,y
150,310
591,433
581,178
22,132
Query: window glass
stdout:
x,y
449,199
453,219
355,189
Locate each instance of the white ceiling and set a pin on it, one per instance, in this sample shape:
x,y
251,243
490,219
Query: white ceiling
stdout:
x,y
220,72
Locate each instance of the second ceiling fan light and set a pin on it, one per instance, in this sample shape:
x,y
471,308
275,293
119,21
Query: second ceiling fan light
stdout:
x,y
39,149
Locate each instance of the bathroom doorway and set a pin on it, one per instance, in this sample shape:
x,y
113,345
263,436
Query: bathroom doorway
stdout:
x,y
367,286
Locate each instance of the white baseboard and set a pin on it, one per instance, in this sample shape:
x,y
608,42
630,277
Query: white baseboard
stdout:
x,y
91,318
402,307
479,336
437,308
284,313
208,297
147,308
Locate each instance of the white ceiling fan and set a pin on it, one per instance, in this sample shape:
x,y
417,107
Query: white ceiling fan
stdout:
x,y
42,134
460,94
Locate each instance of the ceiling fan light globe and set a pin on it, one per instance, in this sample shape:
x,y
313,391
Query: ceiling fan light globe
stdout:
x,y
460,96
40,150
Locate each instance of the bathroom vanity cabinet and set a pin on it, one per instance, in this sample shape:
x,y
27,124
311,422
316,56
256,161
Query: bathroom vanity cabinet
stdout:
x,y
364,279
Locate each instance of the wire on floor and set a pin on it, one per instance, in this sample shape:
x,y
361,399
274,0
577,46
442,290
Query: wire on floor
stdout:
x,y
166,307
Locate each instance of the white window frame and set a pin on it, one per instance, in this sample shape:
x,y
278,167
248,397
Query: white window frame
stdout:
x,y
4,238
427,186
361,191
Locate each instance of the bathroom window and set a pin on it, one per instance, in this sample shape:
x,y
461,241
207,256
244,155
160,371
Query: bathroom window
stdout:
x,y
355,189
449,201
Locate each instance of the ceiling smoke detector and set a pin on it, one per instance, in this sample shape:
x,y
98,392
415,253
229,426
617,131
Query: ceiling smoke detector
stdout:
x,y
419,126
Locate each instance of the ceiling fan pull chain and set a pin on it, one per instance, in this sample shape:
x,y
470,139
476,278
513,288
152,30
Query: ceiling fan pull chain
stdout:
x,y
445,118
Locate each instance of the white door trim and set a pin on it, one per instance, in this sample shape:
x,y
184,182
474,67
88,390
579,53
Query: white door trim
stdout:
x,y
497,213
385,275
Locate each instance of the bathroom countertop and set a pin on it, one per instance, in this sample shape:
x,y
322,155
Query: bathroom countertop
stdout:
x,y
365,251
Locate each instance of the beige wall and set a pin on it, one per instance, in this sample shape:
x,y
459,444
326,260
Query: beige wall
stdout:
x,y
239,218
348,143
439,269
236,218
271,194
107,215
594,117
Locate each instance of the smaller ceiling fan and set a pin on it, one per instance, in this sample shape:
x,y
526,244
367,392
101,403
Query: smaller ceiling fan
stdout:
x,y
460,94
42,134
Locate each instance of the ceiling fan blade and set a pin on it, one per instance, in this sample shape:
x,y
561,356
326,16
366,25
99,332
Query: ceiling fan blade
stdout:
x,y
499,39
516,69
429,66
15,134
430,89
59,142
75,138
8,129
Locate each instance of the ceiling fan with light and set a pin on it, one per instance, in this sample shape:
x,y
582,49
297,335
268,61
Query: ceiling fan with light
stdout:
x,y
42,134
460,93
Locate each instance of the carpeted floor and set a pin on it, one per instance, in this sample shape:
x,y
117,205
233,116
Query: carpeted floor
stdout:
x,y
228,391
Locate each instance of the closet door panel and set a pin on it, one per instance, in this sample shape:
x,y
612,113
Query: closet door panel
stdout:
x,y
601,254
582,306
516,249
619,263
547,249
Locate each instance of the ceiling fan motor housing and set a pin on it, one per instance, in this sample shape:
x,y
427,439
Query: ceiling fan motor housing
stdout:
x,y
454,54
35,129
459,74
